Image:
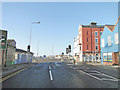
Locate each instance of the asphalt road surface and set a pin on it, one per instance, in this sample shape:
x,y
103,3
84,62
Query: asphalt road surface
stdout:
x,y
60,75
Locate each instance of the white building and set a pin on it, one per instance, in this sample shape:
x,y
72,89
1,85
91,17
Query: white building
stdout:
x,y
76,49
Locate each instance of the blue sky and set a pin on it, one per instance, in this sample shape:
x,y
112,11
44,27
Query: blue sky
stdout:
x,y
59,22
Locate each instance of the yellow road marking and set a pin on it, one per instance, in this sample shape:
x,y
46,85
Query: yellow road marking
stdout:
x,y
5,78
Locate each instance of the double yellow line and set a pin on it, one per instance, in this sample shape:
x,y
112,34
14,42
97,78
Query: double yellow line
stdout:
x,y
5,78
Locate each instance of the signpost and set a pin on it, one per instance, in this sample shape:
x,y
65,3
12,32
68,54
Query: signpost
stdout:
x,y
3,39
3,42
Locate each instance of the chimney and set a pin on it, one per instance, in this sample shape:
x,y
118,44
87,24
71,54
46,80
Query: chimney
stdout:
x,y
93,24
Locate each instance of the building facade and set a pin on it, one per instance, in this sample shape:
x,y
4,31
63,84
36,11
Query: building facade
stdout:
x,y
76,49
22,56
11,47
110,43
89,41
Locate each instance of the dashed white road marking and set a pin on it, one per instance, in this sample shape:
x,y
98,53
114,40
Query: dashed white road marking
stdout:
x,y
50,73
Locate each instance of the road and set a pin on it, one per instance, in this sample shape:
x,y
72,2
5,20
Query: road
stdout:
x,y
60,75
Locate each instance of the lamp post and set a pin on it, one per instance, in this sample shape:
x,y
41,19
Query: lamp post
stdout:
x,y
31,33
28,48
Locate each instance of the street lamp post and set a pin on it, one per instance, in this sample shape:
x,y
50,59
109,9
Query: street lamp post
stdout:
x,y
31,33
30,40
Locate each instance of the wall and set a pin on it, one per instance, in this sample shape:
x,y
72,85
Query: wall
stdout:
x,y
109,49
10,55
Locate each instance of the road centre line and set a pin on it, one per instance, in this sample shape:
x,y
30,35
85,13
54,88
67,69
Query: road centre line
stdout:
x,y
50,73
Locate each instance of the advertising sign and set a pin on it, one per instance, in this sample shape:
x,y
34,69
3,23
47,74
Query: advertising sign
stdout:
x,y
3,39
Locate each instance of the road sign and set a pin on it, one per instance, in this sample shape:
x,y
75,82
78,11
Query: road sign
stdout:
x,y
3,39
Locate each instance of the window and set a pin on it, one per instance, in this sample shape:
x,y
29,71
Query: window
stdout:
x,y
116,38
109,41
100,33
96,33
87,47
103,42
96,40
87,32
96,47
87,39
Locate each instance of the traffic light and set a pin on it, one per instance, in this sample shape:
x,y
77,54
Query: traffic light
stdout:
x,y
69,48
62,53
28,48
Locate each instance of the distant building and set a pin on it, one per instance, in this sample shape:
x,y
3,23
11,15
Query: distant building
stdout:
x,y
89,41
76,49
22,56
110,44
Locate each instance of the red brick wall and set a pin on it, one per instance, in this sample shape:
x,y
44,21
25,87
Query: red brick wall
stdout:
x,y
91,35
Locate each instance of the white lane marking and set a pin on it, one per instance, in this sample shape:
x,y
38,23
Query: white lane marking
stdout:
x,y
109,76
90,75
49,67
98,73
95,73
69,64
109,79
50,73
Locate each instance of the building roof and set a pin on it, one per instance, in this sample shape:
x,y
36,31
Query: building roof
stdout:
x,y
112,27
93,25
10,40
22,51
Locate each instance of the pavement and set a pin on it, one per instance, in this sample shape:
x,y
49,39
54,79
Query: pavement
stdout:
x,y
62,75
13,68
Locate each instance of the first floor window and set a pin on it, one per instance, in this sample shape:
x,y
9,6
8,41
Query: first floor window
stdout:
x,y
103,42
87,47
116,38
96,33
96,47
109,41
96,40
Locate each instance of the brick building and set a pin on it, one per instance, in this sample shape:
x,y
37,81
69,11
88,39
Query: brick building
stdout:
x,y
89,40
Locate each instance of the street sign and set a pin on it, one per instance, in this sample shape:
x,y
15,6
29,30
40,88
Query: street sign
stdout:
x,y
3,39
